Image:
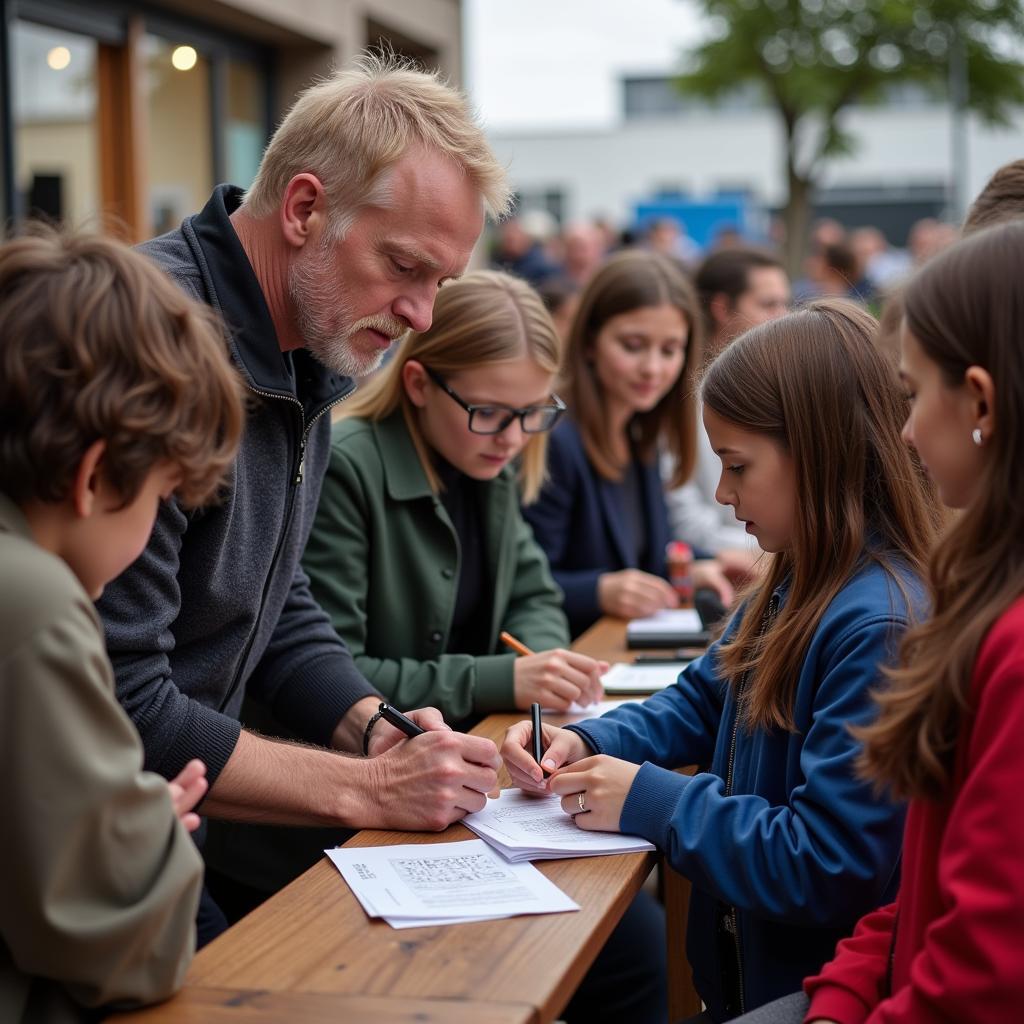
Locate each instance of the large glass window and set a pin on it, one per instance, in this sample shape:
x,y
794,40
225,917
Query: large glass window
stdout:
x,y
245,125
126,120
179,139
55,123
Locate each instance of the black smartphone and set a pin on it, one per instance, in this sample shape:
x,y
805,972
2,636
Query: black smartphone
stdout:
x,y
709,607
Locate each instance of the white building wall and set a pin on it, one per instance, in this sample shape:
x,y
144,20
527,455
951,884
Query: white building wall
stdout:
x,y
606,172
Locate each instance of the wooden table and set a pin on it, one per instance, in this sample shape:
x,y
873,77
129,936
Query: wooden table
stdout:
x,y
198,1005
310,951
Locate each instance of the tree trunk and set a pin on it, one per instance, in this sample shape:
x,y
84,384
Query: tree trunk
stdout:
x,y
797,215
797,218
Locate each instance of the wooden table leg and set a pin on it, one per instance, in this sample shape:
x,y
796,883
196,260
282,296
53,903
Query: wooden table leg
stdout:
x,y
683,1000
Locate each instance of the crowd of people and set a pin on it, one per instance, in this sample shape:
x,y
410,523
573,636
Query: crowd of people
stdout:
x,y
857,263
208,586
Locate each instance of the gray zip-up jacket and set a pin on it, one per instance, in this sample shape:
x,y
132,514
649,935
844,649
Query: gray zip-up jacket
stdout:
x,y
217,606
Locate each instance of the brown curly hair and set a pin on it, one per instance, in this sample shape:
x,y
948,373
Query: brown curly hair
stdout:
x,y
97,344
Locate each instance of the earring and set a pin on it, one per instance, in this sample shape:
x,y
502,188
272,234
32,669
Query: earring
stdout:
x,y
976,436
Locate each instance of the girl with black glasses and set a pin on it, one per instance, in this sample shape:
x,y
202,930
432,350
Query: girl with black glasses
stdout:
x,y
419,552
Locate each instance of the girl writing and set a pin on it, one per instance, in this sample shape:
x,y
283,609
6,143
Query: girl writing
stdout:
x,y
784,845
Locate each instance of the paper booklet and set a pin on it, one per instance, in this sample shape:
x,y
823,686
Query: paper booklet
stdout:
x,y
671,627
624,678
420,885
602,707
525,827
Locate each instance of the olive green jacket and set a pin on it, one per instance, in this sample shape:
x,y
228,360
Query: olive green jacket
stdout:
x,y
383,559
100,881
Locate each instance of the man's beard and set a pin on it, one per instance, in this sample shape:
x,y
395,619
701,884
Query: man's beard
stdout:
x,y
324,318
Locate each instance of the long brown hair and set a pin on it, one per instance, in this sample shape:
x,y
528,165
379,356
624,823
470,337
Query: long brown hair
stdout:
x,y
628,281
485,317
965,308
814,382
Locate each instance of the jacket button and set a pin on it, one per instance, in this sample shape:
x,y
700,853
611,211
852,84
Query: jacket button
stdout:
x,y
447,573
436,637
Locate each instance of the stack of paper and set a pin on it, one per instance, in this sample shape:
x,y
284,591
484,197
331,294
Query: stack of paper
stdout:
x,y
639,679
525,827
602,707
670,627
417,885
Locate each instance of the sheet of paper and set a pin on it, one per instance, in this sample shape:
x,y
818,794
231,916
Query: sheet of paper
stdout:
x,y
668,620
414,885
536,828
626,678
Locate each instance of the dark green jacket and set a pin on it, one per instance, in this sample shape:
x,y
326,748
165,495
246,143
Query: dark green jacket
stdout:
x,y
383,560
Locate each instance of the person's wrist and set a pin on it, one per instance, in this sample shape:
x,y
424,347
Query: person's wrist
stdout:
x,y
348,733
353,785
368,731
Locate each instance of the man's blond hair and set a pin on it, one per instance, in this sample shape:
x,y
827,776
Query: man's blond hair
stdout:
x,y
352,128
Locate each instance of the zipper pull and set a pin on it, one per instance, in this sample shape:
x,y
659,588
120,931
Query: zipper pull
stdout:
x,y
302,462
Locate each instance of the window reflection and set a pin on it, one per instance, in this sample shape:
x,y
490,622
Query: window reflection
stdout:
x,y
55,123
179,144
245,127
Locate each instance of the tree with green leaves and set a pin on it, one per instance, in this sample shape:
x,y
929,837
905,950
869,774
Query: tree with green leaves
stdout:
x,y
814,58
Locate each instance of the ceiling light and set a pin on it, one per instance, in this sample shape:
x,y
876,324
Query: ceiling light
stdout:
x,y
184,58
58,58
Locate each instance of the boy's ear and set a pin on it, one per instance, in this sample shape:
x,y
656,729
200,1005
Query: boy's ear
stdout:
x,y
86,484
414,380
981,388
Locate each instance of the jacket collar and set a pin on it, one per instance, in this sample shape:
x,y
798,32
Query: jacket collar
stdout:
x,y
12,519
611,495
236,294
403,472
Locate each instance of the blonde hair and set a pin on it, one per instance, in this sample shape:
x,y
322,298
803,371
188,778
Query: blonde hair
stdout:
x,y
485,317
351,129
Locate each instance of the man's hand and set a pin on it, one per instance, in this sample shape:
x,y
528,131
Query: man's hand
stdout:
x,y
560,747
384,735
604,783
187,789
427,782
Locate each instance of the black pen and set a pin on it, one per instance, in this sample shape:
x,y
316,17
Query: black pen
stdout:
x,y
538,740
395,717
682,656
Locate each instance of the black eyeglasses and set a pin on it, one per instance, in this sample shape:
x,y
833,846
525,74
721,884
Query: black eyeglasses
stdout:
x,y
493,419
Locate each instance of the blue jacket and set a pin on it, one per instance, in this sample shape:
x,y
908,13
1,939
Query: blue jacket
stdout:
x,y
580,522
802,848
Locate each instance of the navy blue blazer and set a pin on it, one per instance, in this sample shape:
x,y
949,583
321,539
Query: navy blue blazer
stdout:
x,y
580,522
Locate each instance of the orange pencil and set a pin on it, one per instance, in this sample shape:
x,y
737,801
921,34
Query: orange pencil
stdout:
x,y
517,645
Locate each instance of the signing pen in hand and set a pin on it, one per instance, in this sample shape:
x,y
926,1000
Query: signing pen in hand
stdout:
x,y
395,717
538,738
520,648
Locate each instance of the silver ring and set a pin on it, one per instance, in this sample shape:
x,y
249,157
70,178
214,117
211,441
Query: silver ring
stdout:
x,y
579,800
